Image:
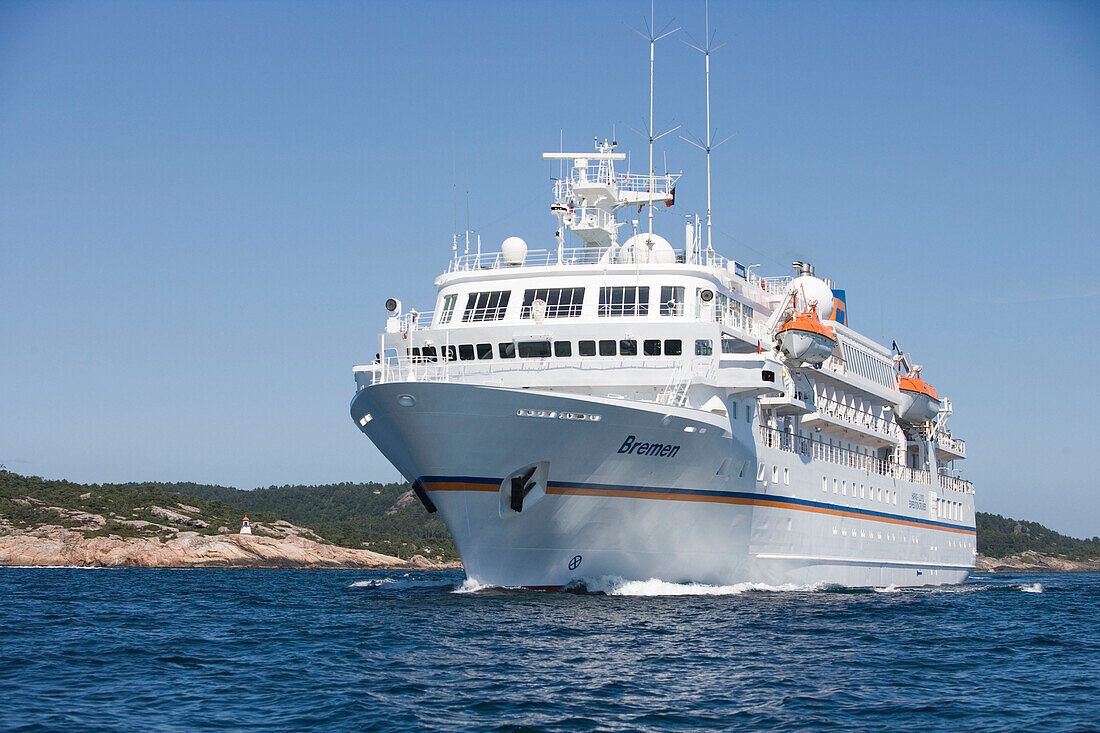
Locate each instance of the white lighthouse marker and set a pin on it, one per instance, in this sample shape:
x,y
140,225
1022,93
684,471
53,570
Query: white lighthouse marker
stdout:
x,y
245,528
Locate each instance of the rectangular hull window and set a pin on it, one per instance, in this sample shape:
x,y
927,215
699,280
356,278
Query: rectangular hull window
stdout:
x,y
534,349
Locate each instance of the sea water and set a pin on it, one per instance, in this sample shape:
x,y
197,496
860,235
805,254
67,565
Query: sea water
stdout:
x,y
283,650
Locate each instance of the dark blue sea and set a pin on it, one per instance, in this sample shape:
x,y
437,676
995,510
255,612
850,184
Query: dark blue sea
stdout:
x,y
292,650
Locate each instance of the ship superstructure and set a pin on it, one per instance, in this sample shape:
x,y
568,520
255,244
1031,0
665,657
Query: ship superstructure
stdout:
x,y
633,408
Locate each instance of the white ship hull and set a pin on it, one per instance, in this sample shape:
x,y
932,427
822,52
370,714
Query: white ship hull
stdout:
x,y
650,491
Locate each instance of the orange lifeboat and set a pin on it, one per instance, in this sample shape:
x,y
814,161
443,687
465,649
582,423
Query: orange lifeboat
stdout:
x,y
805,338
919,401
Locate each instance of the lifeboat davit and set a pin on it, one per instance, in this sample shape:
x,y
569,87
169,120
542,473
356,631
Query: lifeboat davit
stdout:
x,y
919,401
805,338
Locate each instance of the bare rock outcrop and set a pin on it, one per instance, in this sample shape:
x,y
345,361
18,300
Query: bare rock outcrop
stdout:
x,y
176,517
55,545
1034,562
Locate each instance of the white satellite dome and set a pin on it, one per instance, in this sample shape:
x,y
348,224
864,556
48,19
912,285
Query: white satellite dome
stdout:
x,y
810,290
638,249
513,251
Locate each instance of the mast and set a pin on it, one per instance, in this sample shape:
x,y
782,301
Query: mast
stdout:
x,y
652,44
706,55
652,37
706,50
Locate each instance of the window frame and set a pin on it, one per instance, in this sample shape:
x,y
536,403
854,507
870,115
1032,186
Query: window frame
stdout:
x,y
555,306
486,305
613,301
447,310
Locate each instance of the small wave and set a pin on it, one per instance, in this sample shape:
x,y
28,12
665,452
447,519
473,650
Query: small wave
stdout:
x,y
888,589
372,583
1032,588
402,583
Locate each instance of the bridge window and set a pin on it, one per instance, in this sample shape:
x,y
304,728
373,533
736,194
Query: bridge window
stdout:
x,y
466,352
624,301
704,347
449,353
673,347
534,349
563,348
607,347
484,351
628,347
586,348
556,302
507,349
672,300
651,347
487,306
429,353
448,308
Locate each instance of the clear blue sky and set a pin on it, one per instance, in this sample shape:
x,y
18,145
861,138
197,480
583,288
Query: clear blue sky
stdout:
x,y
204,205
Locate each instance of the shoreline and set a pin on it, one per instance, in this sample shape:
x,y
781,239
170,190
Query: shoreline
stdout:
x,y
58,547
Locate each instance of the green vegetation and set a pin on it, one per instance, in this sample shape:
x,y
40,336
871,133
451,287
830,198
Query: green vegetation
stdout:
x,y
386,518
30,500
1000,537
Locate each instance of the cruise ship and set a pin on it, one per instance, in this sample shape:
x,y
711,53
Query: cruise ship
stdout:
x,y
624,407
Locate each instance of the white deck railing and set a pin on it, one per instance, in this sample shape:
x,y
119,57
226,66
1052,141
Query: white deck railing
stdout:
x,y
774,286
855,416
947,440
441,369
819,450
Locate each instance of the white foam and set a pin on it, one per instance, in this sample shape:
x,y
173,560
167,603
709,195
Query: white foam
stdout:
x,y
1033,588
654,587
888,589
471,586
